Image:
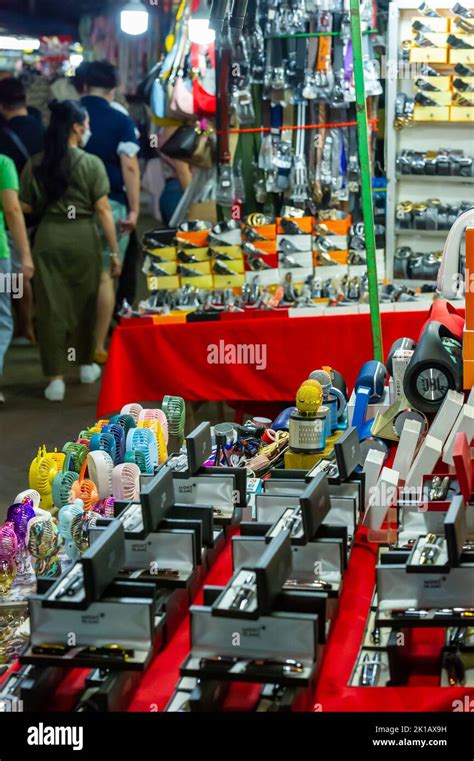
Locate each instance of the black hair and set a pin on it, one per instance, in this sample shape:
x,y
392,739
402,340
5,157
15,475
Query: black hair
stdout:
x,y
80,76
54,171
12,93
101,74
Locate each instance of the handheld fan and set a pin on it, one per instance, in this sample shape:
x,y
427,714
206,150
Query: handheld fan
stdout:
x,y
86,434
104,442
156,427
77,453
132,409
19,514
43,470
62,486
86,490
119,435
80,524
100,466
8,551
174,408
29,495
43,541
65,517
144,440
155,414
99,425
126,481
105,507
125,421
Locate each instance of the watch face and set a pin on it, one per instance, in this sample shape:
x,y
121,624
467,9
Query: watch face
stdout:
x,y
432,384
400,420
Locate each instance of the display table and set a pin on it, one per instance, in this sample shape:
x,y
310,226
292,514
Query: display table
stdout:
x,y
332,692
253,358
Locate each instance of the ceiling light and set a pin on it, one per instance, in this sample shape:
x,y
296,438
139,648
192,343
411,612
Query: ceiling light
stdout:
x,y
134,18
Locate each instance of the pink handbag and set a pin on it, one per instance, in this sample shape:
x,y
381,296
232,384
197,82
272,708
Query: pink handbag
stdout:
x,y
182,98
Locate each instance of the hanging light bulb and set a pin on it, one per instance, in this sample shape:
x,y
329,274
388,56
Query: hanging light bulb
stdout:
x,y
199,30
134,18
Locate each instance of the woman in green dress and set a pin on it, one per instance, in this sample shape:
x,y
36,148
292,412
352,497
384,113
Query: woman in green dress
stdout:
x,y
68,190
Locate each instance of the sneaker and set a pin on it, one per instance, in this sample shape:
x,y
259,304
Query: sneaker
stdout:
x,y
90,373
2,398
55,391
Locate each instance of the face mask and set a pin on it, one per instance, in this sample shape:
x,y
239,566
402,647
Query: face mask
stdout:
x,y
85,138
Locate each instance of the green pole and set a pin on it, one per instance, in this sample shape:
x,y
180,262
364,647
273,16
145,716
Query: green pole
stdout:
x,y
366,179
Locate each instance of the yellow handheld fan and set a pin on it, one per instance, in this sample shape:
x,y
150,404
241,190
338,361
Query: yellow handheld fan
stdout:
x,y
157,428
43,469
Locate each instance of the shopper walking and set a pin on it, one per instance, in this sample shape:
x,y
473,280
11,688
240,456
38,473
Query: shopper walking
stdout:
x,y
66,186
21,136
114,141
11,285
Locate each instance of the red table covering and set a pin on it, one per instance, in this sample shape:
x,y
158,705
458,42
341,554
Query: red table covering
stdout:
x,y
147,361
332,693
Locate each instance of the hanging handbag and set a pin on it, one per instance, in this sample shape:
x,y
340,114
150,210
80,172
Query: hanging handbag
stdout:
x,y
192,144
182,101
205,102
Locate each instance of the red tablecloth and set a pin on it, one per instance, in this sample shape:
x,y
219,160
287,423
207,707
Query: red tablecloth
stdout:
x,y
332,693
147,361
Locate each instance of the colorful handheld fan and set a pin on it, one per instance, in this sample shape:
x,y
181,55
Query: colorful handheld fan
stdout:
x,y
77,453
86,490
132,409
62,486
80,524
155,414
27,495
126,481
19,515
119,435
8,551
156,427
174,408
125,421
43,541
143,440
104,442
43,469
65,517
105,507
99,465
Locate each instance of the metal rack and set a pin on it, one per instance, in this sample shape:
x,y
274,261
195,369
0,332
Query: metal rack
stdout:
x,y
419,136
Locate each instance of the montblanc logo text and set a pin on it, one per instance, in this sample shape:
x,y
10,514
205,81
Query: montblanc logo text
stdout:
x,y
46,735
237,354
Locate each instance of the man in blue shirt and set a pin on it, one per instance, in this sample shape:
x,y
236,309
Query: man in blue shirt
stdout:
x,y
113,139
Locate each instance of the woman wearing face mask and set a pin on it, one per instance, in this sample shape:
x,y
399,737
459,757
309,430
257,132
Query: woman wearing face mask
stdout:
x,y
67,189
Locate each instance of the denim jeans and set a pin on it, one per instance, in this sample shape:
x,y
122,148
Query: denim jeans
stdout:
x,y
6,317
